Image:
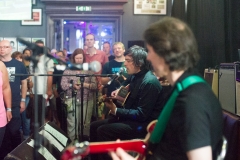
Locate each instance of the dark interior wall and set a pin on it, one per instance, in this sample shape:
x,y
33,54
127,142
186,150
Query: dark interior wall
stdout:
x,y
134,25
14,28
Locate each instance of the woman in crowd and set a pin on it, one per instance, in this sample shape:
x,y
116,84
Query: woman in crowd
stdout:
x,y
71,85
5,98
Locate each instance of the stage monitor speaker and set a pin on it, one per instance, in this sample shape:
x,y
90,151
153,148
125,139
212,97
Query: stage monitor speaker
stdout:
x,y
228,87
211,76
52,142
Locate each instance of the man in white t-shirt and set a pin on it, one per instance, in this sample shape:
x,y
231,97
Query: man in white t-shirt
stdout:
x,y
45,65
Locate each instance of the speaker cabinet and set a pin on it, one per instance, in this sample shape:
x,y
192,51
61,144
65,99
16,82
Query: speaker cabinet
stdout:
x,y
228,87
238,90
211,76
52,142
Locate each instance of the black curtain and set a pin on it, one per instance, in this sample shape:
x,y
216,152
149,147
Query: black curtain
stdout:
x,y
206,18
178,10
232,32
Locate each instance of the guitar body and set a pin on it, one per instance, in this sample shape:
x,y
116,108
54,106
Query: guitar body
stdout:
x,y
120,97
82,149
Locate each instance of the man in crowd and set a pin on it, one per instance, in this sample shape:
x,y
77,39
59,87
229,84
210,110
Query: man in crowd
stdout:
x,y
107,50
18,84
44,83
93,54
112,67
57,90
141,107
194,130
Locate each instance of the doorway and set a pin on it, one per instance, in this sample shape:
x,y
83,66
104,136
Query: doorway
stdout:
x,y
74,33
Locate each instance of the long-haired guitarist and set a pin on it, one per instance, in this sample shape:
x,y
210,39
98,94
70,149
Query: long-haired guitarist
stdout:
x,y
194,130
141,107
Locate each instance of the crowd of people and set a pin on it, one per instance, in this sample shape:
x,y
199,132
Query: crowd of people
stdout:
x,y
131,99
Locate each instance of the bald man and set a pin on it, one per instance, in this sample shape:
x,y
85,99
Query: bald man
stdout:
x,y
12,137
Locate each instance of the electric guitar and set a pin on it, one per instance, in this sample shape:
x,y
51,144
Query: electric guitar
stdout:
x,y
80,150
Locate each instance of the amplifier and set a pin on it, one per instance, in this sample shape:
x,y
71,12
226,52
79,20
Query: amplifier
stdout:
x,y
228,83
211,76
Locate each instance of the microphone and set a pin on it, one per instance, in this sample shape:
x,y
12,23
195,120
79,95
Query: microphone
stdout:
x,y
94,66
118,74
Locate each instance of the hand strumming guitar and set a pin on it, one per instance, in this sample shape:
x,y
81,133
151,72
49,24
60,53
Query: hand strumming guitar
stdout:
x,y
110,105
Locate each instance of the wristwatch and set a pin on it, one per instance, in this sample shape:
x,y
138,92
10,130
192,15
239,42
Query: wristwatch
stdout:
x,y
9,109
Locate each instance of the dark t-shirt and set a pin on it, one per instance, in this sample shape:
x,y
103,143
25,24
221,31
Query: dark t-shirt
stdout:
x,y
113,67
195,122
57,79
111,57
16,67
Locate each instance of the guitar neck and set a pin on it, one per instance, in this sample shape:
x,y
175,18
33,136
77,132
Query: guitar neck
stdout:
x,y
84,149
138,146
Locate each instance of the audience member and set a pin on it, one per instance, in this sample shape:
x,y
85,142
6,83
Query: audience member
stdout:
x,y
112,67
141,107
57,91
54,52
12,136
93,54
18,56
44,84
5,100
26,120
107,50
65,51
72,84
27,53
194,130
25,125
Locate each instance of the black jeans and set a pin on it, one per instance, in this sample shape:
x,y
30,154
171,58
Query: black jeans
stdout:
x,y
12,136
112,129
2,131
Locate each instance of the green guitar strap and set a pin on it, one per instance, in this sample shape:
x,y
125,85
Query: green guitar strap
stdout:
x,y
164,116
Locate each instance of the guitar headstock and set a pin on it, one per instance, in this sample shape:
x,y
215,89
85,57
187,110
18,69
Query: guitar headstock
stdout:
x,y
79,151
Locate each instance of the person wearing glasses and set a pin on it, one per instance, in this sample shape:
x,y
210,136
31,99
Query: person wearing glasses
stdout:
x,y
142,106
12,137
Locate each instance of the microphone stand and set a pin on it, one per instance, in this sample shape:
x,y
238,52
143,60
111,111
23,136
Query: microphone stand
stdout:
x,y
74,112
82,77
36,123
